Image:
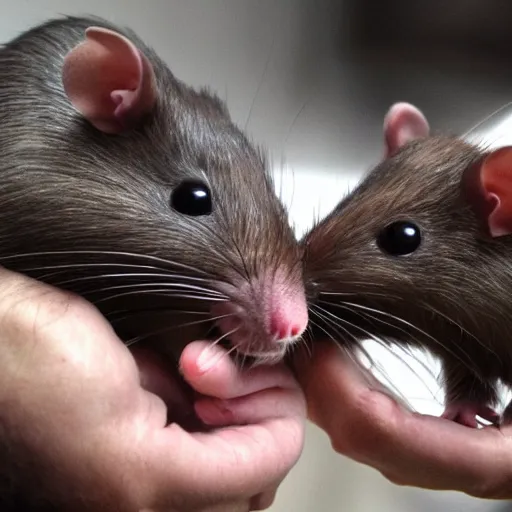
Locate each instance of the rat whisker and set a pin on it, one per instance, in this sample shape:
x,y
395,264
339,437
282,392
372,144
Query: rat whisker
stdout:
x,y
365,315
138,339
324,315
164,275
329,317
296,118
321,313
396,356
492,117
357,364
352,294
289,203
309,331
467,363
142,257
164,286
262,79
225,335
302,341
353,307
378,367
227,352
230,351
86,265
463,330
114,317
158,292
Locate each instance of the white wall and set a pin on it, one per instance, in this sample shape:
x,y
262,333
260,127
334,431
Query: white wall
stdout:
x,y
274,61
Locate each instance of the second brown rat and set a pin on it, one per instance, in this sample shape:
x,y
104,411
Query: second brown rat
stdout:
x,y
420,253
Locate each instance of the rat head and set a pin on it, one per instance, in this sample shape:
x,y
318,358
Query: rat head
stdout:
x,y
412,253
143,195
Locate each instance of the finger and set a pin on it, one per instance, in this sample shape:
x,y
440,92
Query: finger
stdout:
x,y
231,464
255,408
411,449
331,381
210,371
440,454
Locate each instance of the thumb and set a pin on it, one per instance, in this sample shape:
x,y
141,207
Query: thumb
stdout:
x,y
239,461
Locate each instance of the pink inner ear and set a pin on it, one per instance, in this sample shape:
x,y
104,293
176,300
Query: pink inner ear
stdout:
x,y
402,124
109,81
487,186
497,184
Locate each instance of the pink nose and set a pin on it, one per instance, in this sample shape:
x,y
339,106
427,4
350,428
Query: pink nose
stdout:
x,y
282,326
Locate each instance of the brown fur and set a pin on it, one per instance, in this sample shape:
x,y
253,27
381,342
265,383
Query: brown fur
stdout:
x,y
454,290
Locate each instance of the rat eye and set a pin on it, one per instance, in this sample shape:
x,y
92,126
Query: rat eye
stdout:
x,y
192,198
399,238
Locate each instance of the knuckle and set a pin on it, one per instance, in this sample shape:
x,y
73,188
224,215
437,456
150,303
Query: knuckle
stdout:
x,y
356,444
52,307
342,444
395,479
263,501
34,306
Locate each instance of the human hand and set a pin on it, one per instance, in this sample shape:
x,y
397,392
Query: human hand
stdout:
x,y
78,431
409,449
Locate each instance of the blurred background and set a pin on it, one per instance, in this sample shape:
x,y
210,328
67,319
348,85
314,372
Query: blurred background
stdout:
x,y
311,80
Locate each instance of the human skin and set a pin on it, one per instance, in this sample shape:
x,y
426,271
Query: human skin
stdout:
x,y
81,427
409,449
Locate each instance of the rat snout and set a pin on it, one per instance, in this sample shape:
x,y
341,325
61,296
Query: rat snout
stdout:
x,y
264,316
288,317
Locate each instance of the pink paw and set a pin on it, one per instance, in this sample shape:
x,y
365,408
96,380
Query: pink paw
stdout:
x,y
465,413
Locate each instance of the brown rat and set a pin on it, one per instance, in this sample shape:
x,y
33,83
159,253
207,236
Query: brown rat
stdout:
x,y
124,185
121,183
420,253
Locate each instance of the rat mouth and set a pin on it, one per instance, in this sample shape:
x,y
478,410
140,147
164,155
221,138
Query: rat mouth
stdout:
x,y
217,337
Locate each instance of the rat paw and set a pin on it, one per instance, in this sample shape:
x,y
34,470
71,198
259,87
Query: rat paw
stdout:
x,y
465,413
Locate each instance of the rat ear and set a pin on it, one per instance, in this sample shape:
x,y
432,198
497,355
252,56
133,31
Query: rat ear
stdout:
x,y
403,123
109,81
488,187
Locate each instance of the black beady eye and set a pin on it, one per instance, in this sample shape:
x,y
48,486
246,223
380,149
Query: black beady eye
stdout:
x,y
399,238
192,198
